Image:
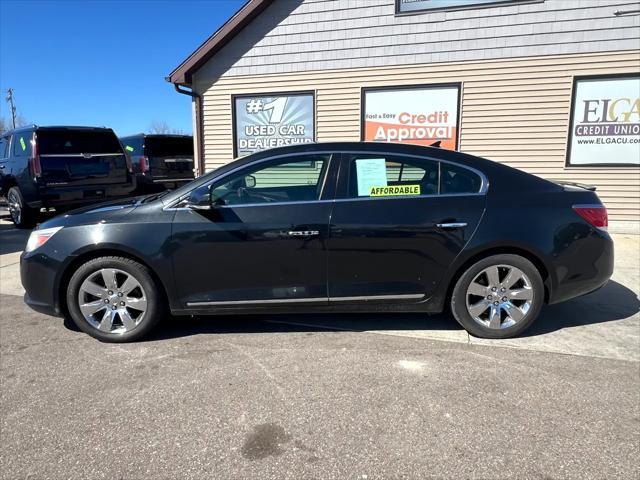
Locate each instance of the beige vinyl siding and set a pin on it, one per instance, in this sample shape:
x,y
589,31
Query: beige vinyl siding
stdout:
x,y
515,111
310,35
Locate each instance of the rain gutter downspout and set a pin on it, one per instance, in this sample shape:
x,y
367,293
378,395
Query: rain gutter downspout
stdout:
x,y
199,125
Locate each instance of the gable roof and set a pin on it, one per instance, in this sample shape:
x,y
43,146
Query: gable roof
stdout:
x,y
181,75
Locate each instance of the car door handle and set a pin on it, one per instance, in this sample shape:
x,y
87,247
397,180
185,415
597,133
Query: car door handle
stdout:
x,y
451,226
303,233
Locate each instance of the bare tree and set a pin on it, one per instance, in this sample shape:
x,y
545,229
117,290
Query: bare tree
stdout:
x,y
159,127
162,128
5,125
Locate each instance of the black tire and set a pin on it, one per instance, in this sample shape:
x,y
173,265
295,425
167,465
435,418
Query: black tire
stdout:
x,y
459,297
155,301
24,216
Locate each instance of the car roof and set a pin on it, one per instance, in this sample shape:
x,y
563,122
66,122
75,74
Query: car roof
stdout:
x,y
157,135
55,127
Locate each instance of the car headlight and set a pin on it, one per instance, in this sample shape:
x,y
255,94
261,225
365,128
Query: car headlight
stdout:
x,y
40,237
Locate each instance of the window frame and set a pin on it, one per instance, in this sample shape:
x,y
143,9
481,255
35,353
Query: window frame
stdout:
x,y
293,93
574,90
342,192
419,86
469,6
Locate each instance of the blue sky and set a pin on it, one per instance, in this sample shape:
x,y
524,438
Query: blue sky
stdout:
x,y
102,62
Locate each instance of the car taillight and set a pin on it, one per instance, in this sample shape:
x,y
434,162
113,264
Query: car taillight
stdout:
x,y
34,161
596,215
144,164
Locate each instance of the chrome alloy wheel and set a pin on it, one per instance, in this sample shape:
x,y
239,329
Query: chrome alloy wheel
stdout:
x,y
112,301
15,208
499,296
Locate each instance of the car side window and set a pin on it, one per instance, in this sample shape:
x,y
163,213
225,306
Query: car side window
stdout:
x,y
4,147
381,175
454,179
22,144
290,179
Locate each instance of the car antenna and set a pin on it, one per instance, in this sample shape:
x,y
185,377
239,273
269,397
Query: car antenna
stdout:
x,y
436,144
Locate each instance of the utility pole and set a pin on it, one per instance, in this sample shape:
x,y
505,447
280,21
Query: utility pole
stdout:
x,y
11,106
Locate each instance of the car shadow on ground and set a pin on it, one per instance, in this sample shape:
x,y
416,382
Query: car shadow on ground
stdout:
x,y
612,302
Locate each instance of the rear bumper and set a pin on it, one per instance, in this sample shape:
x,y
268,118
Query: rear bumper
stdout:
x,y
80,195
586,268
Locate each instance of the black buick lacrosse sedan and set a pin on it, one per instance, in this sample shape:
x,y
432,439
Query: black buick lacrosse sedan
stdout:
x,y
327,227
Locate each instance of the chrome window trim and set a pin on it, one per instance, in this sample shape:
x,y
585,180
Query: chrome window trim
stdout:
x,y
256,302
483,187
411,296
80,155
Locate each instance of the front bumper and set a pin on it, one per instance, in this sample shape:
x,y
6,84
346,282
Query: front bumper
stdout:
x,y
38,277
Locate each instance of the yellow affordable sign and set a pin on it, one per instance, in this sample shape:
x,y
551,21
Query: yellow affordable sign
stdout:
x,y
395,190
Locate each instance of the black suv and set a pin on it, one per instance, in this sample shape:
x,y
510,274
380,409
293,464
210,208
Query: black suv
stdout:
x,y
61,167
160,162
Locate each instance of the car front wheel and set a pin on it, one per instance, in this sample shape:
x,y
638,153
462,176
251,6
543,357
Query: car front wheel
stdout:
x,y
114,299
21,214
498,297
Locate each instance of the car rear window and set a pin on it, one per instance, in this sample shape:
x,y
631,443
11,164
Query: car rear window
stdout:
x,y
59,142
169,147
454,179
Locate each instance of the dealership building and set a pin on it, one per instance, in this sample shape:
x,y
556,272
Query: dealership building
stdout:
x,y
548,86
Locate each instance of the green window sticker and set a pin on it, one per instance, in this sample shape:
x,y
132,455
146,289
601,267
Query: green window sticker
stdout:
x,y
22,144
129,148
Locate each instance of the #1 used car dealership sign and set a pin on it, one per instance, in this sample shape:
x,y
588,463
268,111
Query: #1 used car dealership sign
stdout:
x,y
263,122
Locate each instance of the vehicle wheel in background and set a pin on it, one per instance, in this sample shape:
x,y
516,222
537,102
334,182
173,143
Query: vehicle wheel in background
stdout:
x,y
22,215
115,299
498,297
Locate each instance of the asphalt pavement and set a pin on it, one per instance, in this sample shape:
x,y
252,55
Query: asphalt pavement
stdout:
x,y
324,396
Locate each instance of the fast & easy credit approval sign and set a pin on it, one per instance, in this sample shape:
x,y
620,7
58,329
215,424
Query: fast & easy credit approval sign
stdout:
x,y
419,115
263,122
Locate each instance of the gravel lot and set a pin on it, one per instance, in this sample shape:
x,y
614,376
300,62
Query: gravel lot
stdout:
x,y
311,396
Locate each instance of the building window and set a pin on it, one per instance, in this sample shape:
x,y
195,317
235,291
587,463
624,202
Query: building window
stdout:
x,y
605,121
267,121
412,6
421,115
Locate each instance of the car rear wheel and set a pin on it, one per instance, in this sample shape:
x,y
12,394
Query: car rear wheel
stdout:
x,y
21,214
498,297
114,299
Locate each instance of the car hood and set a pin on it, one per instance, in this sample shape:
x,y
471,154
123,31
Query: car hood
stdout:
x,y
106,212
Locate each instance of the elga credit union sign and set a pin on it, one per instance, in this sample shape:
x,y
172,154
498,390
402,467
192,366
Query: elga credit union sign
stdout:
x,y
418,115
263,122
605,125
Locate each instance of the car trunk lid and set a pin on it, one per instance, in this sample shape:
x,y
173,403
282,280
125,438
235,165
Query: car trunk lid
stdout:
x,y
169,157
76,156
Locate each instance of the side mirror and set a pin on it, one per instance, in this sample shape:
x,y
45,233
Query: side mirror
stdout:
x,y
250,181
199,199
